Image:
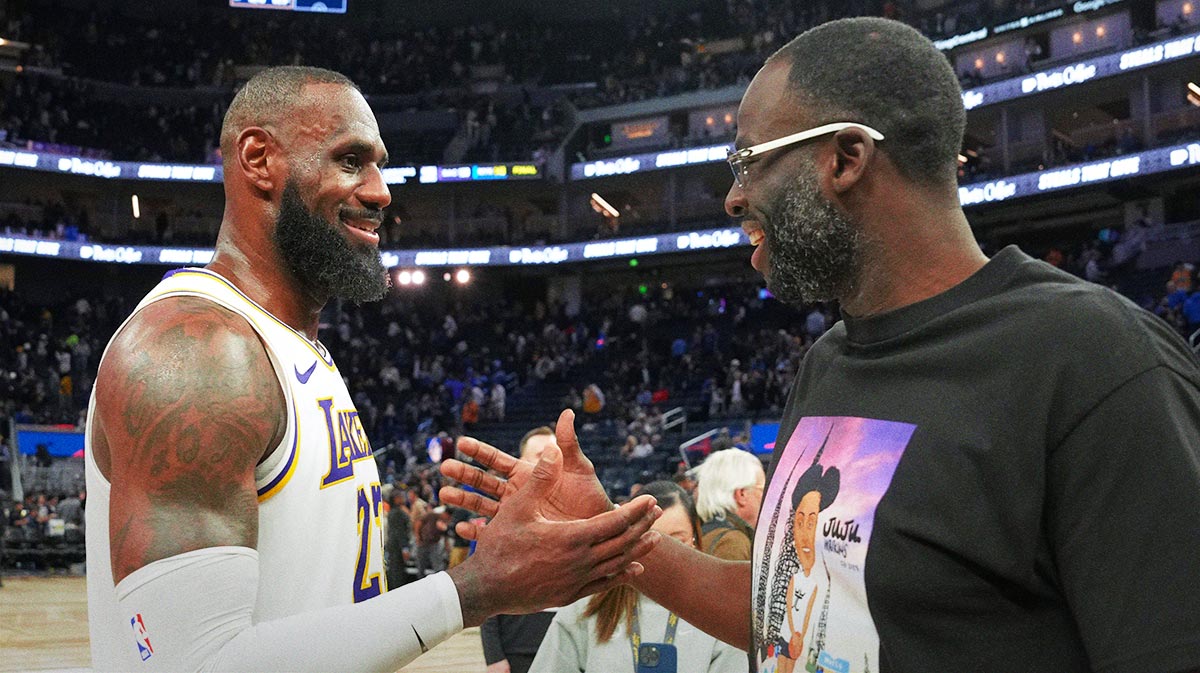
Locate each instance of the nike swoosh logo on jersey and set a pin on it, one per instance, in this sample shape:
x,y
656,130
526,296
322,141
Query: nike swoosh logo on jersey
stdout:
x,y
303,378
420,642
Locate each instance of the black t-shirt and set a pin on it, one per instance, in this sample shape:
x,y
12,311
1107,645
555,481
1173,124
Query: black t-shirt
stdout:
x,y
1003,477
458,515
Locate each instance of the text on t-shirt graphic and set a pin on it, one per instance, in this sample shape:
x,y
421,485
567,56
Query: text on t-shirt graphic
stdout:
x,y
810,604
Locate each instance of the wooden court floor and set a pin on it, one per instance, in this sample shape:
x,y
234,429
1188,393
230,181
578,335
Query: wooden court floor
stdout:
x,y
43,627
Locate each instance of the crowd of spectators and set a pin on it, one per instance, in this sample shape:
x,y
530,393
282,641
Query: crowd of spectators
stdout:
x,y
485,71
45,220
1111,257
1180,305
42,532
68,112
979,163
49,354
424,369
420,372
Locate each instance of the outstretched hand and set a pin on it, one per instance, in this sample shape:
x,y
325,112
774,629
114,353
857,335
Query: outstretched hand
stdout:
x,y
576,495
525,561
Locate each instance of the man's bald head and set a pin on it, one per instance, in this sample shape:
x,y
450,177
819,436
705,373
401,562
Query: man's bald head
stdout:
x,y
269,96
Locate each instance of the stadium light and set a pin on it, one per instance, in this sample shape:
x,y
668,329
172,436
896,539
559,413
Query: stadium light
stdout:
x,y
462,276
603,207
137,208
406,277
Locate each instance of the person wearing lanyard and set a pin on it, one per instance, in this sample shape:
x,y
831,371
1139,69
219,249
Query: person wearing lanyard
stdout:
x,y
617,631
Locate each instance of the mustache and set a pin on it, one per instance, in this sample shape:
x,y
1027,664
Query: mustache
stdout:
x,y
373,214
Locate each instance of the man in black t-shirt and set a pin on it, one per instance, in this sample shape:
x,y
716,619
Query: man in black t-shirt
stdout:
x,y
510,642
1017,451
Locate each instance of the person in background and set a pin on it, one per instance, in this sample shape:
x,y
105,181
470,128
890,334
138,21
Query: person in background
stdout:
x,y
431,553
399,537
5,464
511,641
614,631
728,497
460,547
1017,451
236,518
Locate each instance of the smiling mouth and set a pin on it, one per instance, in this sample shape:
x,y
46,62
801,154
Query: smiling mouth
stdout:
x,y
755,233
362,225
362,229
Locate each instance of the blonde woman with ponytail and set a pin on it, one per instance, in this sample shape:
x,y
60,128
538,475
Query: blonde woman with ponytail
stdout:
x,y
610,631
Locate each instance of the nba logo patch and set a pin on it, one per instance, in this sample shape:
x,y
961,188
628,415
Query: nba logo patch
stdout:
x,y
145,649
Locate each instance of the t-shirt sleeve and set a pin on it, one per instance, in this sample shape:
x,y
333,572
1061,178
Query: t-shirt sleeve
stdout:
x,y
1123,516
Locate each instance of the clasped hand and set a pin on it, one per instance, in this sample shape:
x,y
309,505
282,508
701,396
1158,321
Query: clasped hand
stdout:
x,y
554,536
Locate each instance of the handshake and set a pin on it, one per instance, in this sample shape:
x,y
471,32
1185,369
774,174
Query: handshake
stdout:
x,y
554,536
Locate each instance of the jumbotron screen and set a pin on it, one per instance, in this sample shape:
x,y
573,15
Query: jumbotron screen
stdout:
x,y
323,6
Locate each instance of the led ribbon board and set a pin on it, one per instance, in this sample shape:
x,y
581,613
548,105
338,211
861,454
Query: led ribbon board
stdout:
x,y
1059,77
1082,71
131,170
320,6
1149,162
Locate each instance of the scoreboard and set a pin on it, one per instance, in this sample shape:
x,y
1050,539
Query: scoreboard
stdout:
x,y
323,6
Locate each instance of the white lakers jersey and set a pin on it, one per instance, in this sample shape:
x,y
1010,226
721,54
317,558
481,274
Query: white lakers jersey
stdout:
x,y
319,528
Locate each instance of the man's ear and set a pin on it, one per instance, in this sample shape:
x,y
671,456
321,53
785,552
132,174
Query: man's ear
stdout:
x,y
740,496
854,150
255,147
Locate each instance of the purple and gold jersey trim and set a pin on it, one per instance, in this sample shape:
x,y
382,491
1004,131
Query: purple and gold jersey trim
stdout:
x,y
280,480
321,353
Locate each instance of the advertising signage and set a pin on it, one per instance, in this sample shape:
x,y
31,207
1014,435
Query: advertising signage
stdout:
x,y
1082,71
1149,162
130,170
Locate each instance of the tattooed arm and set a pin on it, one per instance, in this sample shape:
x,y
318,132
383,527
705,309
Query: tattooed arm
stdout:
x,y
187,403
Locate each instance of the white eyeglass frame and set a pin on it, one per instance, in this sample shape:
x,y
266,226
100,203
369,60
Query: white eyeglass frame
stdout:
x,y
738,160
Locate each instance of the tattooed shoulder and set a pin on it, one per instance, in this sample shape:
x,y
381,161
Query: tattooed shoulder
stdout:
x,y
188,403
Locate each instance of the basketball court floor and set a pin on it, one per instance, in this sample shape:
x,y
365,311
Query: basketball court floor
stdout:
x,y
43,628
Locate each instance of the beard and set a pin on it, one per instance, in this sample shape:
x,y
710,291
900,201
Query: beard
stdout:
x,y
815,252
321,258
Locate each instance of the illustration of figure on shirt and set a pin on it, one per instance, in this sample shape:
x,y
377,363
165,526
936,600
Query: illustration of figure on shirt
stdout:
x,y
799,635
810,610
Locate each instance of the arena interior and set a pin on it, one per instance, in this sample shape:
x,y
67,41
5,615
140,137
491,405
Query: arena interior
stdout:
x,y
556,237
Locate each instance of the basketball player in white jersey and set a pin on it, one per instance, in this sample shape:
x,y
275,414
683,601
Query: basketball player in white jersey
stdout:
x,y
235,514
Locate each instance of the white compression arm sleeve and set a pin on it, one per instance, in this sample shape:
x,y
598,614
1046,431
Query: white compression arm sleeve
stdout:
x,y
196,612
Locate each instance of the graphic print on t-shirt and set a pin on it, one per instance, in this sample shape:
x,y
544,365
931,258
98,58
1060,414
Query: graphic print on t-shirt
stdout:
x,y
810,600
